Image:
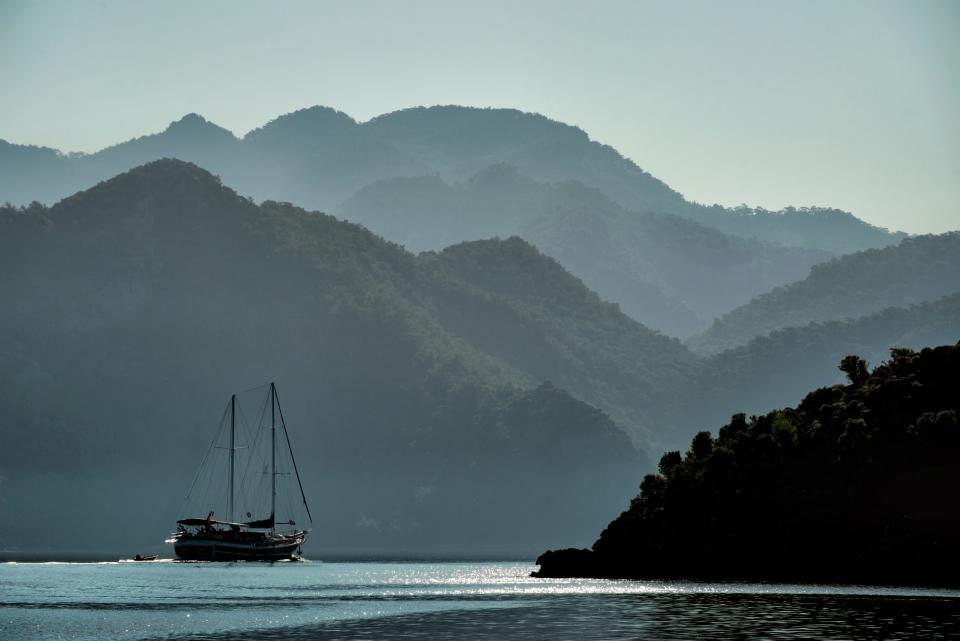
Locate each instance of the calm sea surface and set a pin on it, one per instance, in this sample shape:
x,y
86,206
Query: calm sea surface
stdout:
x,y
165,600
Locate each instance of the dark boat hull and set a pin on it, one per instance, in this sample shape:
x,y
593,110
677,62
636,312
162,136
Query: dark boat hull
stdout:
x,y
201,550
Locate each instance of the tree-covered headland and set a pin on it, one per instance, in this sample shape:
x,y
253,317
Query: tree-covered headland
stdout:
x,y
858,483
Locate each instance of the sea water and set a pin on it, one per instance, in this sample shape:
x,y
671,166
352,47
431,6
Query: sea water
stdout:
x,y
312,600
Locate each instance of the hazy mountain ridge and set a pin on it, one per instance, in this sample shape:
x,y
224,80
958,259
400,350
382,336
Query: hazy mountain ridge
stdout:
x,y
825,228
318,157
550,326
539,318
666,271
770,371
919,269
571,196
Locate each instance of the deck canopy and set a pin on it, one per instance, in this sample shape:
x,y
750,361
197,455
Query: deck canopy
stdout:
x,y
262,524
206,522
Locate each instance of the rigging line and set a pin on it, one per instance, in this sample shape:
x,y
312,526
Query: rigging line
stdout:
x,y
253,445
292,459
242,420
245,429
246,425
206,456
205,501
262,428
245,488
209,499
288,500
255,387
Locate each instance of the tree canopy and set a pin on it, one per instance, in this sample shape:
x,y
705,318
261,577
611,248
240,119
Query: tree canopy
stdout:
x,y
856,483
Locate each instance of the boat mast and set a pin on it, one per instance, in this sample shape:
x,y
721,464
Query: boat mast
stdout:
x,y
273,458
233,430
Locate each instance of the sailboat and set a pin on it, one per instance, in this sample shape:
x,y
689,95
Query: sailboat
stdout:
x,y
264,539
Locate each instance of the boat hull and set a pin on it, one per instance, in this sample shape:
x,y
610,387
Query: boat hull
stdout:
x,y
214,550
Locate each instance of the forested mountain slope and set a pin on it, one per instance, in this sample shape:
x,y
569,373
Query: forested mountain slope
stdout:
x,y
919,269
825,228
134,309
512,302
665,271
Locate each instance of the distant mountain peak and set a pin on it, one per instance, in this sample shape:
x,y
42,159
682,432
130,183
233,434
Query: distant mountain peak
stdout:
x,y
190,119
193,124
514,265
163,179
492,121
513,244
317,114
310,122
171,166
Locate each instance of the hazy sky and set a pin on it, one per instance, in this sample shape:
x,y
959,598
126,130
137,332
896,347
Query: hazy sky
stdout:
x,y
848,104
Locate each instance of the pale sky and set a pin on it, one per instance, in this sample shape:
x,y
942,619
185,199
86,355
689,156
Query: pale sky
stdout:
x,y
851,104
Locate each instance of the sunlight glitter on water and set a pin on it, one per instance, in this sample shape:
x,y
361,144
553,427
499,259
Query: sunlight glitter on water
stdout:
x,y
143,600
514,578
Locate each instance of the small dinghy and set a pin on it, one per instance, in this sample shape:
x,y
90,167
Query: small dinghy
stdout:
x,y
145,557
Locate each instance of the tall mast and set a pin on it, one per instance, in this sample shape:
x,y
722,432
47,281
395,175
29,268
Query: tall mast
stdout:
x,y
233,430
273,458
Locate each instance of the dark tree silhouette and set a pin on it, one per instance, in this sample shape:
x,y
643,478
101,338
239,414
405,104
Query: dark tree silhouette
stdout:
x,y
855,368
857,483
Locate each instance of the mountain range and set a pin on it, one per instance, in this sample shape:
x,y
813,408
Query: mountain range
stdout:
x,y
668,272
480,393
430,177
